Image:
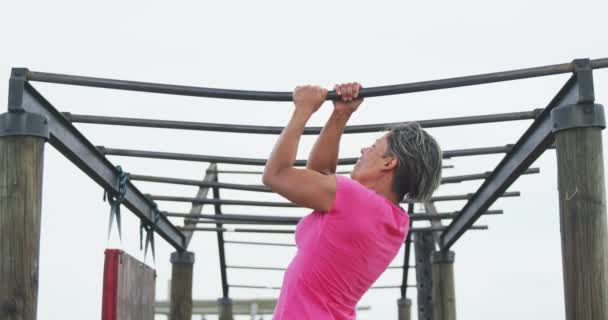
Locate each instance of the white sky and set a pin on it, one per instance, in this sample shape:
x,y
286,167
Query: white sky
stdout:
x,y
512,271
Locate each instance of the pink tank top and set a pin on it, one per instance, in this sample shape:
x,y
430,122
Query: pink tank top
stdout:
x,y
341,253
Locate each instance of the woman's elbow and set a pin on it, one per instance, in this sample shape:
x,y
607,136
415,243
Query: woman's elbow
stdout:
x,y
267,178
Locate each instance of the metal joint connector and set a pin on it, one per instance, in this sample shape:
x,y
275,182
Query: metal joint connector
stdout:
x,y
585,113
19,123
185,257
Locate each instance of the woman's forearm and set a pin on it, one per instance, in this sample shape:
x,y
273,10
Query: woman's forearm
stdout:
x,y
323,157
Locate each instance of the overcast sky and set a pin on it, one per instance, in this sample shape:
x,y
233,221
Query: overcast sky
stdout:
x,y
511,271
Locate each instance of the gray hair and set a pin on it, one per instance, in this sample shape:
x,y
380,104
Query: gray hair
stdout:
x,y
418,171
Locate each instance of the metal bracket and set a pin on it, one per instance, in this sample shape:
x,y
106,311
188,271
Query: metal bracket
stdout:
x,y
578,116
585,113
16,86
20,123
184,257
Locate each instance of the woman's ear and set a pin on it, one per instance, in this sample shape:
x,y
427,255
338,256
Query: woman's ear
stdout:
x,y
390,162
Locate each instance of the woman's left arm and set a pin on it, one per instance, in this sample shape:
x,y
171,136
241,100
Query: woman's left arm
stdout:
x,y
303,187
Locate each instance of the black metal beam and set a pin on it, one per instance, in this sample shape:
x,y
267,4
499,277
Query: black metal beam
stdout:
x,y
287,96
530,146
406,254
220,243
197,208
292,205
74,146
262,162
238,128
262,188
248,230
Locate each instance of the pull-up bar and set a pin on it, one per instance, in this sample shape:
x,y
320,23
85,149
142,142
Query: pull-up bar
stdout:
x,y
261,172
234,128
261,188
288,231
292,205
261,162
287,96
229,218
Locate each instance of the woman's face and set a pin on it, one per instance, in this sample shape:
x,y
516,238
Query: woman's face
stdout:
x,y
373,161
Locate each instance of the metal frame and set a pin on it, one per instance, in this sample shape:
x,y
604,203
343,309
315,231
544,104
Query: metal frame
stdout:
x,y
74,146
91,160
530,146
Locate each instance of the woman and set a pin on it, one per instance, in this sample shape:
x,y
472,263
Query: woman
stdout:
x,y
357,226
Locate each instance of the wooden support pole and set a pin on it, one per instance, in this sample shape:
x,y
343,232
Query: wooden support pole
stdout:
x,y
225,308
404,309
181,285
582,203
21,163
444,297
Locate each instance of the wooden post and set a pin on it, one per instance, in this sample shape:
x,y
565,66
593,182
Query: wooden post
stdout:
x,y
582,199
444,298
225,309
181,285
21,163
404,309
582,203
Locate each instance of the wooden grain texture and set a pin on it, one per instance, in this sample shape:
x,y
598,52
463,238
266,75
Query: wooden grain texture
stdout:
x,y
181,291
582,203
136,289
444,297
21,163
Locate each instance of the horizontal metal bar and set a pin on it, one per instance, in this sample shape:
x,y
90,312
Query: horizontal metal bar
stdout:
x,y
400,267
452,215
257,223
287,96
283,269
74,146
283,220
262,188
530,146
246,230
271,244
393,287
261,172
256,268
237,128
479,176
292,205
231,218
262,162
242,286
237,230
